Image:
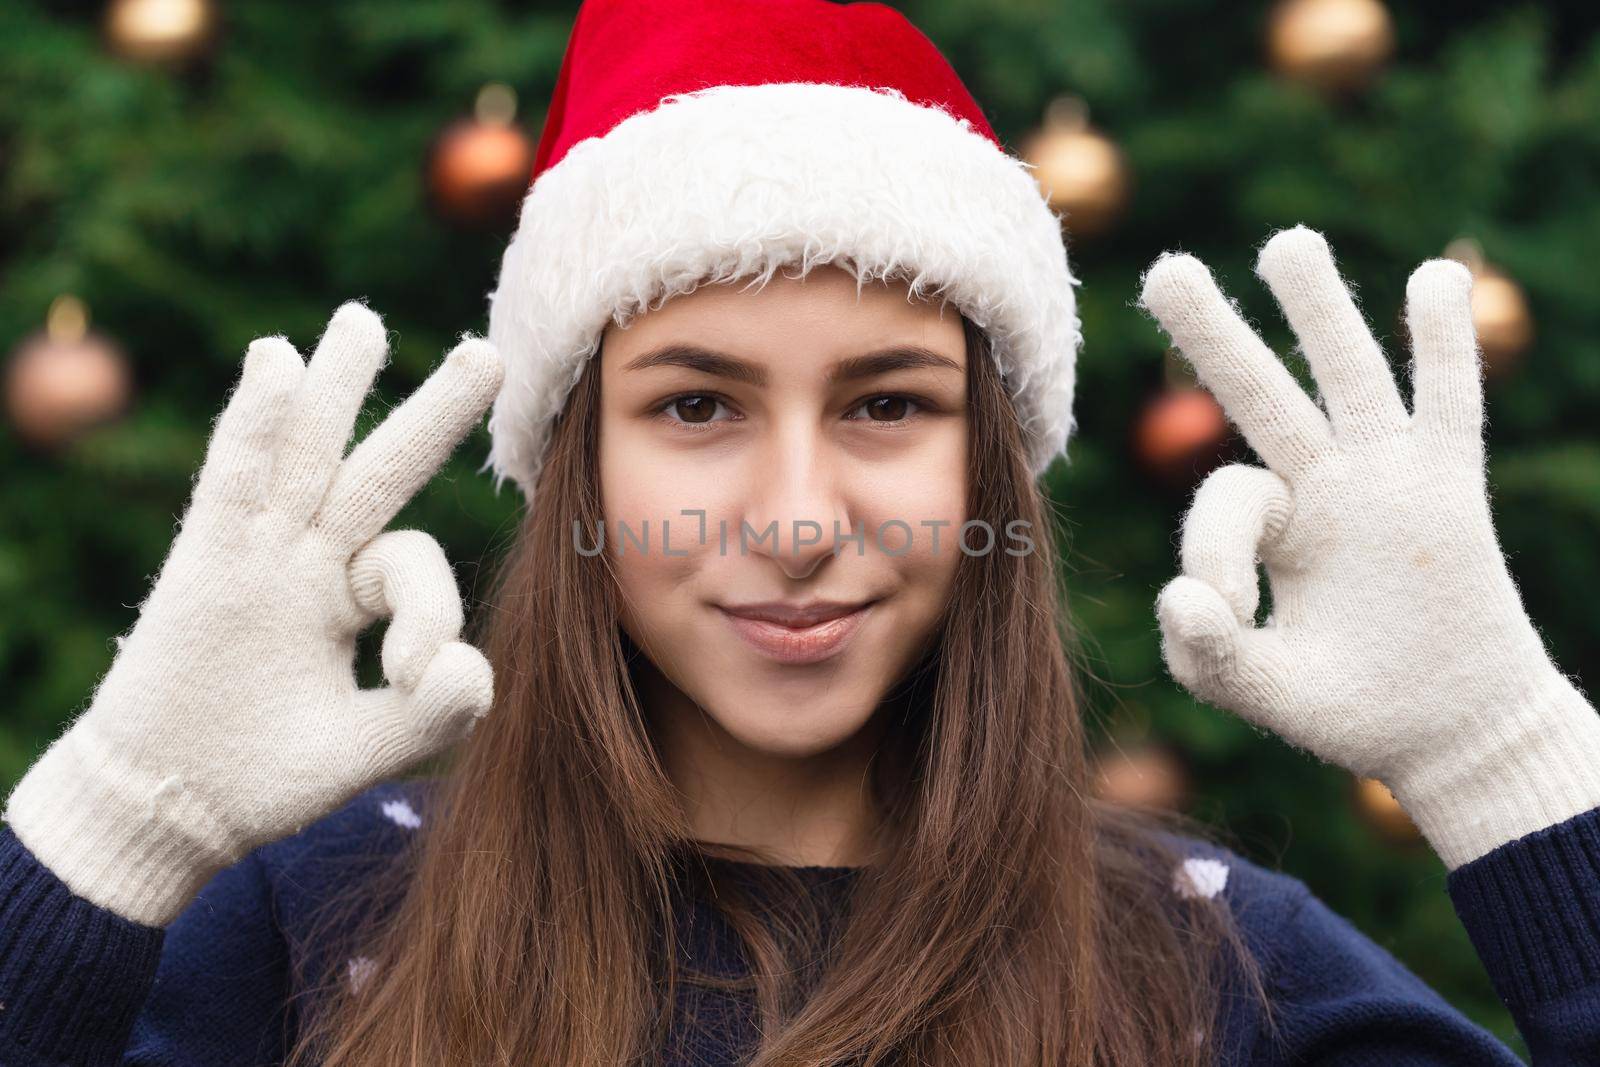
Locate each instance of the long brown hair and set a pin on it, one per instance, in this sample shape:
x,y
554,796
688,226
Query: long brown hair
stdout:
x,y
1014,918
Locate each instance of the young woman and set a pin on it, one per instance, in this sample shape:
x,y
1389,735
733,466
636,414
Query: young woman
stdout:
x,y
773,752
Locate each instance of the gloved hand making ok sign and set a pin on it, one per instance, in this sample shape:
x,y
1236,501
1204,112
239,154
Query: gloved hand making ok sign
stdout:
x,y
1398,646
231,715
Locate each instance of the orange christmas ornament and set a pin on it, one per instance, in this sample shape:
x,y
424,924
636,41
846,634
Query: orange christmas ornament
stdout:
x,y
1146,776
479,168
1380,810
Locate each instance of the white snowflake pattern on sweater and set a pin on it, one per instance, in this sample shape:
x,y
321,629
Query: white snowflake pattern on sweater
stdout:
x,y
359,970
401,813
1199,877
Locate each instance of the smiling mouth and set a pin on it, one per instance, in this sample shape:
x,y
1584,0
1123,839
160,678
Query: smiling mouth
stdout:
x,y
805,643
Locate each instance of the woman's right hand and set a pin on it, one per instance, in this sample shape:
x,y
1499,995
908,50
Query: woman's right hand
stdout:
x,y
231,715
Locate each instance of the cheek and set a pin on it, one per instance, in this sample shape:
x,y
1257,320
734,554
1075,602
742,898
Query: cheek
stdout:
x,y
912,519
646,490
914,510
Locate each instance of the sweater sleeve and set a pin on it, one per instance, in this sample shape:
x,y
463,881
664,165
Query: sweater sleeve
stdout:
x,y
1532,910
82,987
1342,1000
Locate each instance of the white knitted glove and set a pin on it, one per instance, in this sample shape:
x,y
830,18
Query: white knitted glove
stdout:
x,y
1398,646
231,716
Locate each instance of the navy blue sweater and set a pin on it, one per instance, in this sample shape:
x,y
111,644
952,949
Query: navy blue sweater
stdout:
x,y
81,987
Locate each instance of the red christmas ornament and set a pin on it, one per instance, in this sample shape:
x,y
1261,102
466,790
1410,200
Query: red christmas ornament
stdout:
x,y
1181,435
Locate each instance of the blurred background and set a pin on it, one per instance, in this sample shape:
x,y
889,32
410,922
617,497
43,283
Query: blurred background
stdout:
x,y
178,177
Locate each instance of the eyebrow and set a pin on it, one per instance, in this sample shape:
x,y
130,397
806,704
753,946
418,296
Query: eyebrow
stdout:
x,y
722,365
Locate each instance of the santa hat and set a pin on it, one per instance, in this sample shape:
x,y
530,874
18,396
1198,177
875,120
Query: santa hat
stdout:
x,y
699,141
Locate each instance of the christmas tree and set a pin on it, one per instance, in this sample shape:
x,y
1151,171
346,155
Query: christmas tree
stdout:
x,y
179,193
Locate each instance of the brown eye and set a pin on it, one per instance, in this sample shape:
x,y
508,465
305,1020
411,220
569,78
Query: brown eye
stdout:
x,y
695,409
887,408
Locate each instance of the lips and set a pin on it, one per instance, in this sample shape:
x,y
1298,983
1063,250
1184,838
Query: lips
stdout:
x,y
798,634
796,615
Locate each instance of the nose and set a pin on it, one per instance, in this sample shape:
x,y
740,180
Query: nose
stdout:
x,y
795,498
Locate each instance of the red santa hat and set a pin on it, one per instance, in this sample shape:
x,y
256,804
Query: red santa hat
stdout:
x,y
699,141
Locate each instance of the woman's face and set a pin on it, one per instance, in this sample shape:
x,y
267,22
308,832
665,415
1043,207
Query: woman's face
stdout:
x,y
749,423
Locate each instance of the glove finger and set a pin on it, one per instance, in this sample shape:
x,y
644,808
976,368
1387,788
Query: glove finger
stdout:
x,y
398,458
404,574
1446,370
337,380
1240,668
1255,388
1238,513
400,727
1355,379
239,457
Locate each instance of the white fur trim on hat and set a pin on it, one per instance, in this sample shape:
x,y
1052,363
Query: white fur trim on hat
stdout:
x,y
737,181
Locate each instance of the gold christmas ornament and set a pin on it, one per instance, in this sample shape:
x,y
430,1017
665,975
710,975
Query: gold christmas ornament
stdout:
x,y
1379,809
159,31
63,380
1500,312
1082,172
1146,776
1333,45
480,168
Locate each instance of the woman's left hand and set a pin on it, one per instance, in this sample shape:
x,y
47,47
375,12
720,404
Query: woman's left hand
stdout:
x,y
1397,646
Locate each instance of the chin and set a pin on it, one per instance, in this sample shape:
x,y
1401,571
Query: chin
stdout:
x,y
792,729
